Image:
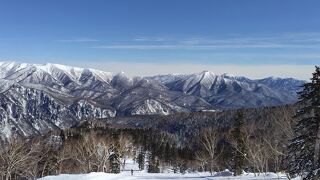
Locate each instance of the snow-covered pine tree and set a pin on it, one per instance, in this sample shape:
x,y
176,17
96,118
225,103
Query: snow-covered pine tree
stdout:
x,y
239,159
114,160
153,164
141,157
168,153
304,149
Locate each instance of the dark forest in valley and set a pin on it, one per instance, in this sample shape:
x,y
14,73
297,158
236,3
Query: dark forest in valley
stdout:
x,y
200,141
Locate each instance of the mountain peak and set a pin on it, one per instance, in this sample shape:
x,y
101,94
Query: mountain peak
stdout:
x,y
228,75
273,78
207,73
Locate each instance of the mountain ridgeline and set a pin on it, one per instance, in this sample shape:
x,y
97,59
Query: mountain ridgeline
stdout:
x,y
39,98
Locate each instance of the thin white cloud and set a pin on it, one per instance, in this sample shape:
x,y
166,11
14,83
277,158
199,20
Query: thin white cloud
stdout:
x,y
286,40
140,39
151,39
79,40
202,47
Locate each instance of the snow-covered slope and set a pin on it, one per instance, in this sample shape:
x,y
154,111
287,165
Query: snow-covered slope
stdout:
x,y
166,174
27,111
228,91
35,98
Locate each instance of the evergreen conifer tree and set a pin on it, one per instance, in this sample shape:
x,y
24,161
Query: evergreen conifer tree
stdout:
x,y
141,156
114,161
304,149
239,159
168,153
153,166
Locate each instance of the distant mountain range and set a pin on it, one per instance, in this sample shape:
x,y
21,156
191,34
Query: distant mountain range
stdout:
x,y
37,98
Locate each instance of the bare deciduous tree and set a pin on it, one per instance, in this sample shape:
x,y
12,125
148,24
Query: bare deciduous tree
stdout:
x,y
208,142
125,148
91,154
19,158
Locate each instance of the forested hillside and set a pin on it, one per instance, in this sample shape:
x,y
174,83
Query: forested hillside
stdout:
x,y
202,141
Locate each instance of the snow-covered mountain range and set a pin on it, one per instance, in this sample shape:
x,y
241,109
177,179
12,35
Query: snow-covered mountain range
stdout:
x,y
36,98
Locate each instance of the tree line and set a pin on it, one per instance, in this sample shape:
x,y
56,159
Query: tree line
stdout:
x,y
96,147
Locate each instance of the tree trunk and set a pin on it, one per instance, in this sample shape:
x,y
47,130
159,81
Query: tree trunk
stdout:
x,y
316,145
124,163
316,153
8,176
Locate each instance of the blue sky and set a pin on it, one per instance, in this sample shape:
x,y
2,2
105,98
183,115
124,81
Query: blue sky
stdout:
x,y
206,33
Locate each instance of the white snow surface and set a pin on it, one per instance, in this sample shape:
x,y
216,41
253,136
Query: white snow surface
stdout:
x,y
163,176
8,68
143,175
150,107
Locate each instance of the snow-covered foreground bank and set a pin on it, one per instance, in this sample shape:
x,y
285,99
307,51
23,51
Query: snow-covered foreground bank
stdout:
x,y
164,176
143,175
